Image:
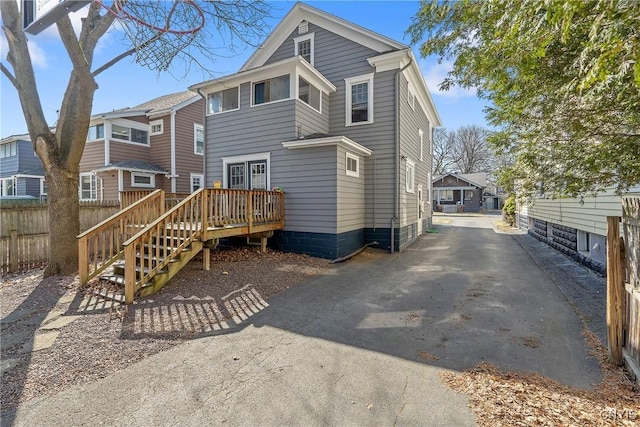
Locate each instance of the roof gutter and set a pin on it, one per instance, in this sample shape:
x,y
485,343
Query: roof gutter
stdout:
x,y
396,212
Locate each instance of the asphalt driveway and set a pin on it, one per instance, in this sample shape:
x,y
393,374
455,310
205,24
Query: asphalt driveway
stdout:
x,y
363,346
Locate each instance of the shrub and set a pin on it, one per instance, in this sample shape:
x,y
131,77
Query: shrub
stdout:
x,y
509,210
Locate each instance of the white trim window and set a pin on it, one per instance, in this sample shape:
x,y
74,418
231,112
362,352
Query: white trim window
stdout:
x,y
429,187
157,127
421,141
198,139
250,172
309,94
359,100
144,180
410,176
304,46
43,187
352,165
224,100
197,181
88,186
270,90
96,132
9,149
8,186
132,134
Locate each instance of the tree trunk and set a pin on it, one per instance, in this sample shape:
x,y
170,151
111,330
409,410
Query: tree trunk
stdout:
x,y
64,221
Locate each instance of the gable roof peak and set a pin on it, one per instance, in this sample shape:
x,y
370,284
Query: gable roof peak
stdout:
x,y
303,12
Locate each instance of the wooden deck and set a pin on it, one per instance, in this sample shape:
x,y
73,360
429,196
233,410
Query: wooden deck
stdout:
x,y
156,243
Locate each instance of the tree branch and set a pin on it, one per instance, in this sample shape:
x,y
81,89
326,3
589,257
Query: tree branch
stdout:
x,y
8,74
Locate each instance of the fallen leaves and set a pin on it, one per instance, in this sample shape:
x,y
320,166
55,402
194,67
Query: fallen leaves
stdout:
x,y
525,399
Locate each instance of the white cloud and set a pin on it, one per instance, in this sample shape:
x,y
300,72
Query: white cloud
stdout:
x,y
38,57
434,74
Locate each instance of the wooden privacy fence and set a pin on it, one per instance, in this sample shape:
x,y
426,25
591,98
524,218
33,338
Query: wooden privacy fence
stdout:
x,y
24,231
623,286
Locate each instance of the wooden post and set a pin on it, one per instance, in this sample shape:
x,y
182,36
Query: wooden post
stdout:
x,y
129,273
615,291
206,259
249,212
83,260
13,251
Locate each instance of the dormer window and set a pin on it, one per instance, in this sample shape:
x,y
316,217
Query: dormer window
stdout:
x,y
303,46
270,90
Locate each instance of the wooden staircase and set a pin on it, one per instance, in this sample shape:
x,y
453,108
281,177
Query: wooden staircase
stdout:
x,y
144,245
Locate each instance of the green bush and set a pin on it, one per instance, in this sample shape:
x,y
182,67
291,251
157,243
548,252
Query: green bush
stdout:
x,y
509,210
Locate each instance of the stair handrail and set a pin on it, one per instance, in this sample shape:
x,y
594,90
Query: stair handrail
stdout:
x,y
100,246
185,226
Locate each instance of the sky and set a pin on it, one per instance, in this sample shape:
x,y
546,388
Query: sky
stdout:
x,y
128,84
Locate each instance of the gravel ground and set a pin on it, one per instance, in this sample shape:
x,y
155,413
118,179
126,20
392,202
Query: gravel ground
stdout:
x,y
106,337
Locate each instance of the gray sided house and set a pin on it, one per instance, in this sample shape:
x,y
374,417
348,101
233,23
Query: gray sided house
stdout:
x,y
21,171
459,192
155,145
340,118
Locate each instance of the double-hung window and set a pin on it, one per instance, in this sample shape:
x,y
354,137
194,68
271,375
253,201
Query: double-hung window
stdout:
x,y
303,46
359,98
270,90
88,186
198,139
224,100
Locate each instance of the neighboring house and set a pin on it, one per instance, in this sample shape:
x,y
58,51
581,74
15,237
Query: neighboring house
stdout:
x,y
492,197
157,144
21,171
341,119
575,227
460,192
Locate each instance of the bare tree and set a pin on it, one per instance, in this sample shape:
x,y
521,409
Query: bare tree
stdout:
x,y
471,152
442,150
155,45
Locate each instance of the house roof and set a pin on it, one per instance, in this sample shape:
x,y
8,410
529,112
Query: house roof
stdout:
x,y
302,12
133,166
478,179
158,106
323,140
290,64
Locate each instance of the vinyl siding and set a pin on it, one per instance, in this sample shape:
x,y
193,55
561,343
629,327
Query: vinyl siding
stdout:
x,y
160,145
350,195
410,123
590,216
187,161
126,151
92,156
308,176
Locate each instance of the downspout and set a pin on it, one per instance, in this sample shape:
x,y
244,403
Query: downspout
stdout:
x,y
173,151
396,212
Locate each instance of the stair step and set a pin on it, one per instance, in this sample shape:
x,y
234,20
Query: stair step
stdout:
x,y
121,266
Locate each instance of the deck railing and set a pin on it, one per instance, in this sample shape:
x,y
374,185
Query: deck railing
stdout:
x,y
234,207
162,241
101,245
127,198
152,249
